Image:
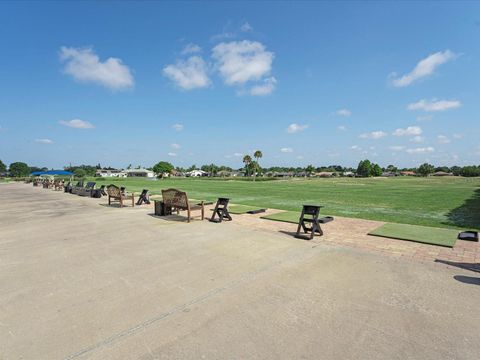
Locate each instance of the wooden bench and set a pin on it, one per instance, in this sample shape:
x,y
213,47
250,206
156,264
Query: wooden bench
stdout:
x,y
114,193
178,200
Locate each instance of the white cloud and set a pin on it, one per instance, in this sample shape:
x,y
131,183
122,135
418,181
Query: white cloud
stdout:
x,y
241,61
246,27
341,128
77,124
189,74
294,128
85,66
434,105
175,146
238,154
265,89
177,127
172,154
191,48
424,68
424,118
422,150
417,139
355,147
457,136
373,135
409,131
286,150
343,112
442,139
397,148
300,157
44,141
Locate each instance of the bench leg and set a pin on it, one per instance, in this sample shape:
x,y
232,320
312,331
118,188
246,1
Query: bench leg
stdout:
x,y
188,214
203,212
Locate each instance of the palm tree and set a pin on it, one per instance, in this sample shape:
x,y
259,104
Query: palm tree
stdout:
x,y
247,160
257,155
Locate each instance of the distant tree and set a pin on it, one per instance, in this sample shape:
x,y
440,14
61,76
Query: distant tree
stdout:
x,y
376,170
456,170
392,168
442,168
19,169
425,169
364,168
162,167
309,170
98,167
129,166
247,160
80,173
191,168
470,171
257,155
3,167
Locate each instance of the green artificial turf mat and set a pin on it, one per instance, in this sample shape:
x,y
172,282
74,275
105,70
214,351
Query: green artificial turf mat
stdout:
x,y
416,233
286,216
242,209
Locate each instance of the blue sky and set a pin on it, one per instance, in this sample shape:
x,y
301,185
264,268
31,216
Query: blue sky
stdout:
x,y
194,83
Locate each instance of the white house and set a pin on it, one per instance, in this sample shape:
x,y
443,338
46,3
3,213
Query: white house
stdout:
x,y
110,173
196,173
140,173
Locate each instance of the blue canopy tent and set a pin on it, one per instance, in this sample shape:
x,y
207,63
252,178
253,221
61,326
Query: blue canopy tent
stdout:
x,y
51,173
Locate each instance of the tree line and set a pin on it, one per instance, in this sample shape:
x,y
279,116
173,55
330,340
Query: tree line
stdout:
x,y
252,168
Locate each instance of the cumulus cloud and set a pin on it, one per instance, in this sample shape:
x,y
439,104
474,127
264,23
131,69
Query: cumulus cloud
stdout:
x,y
457,136
294,128
175,146
442,139
246,27
265,89
286,150
421,150
85,66
434,105
189,74
241,61
177,127
44,141
343,112
373,135
425,67
355,147
172,154
397,148
341,128
409,131
417,139
238,154
77,124
191,48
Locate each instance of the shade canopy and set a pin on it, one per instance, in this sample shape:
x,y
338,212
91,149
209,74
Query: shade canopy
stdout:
x,y
51,172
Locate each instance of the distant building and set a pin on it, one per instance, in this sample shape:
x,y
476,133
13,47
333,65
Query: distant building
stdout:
x,y
110,173
389,174
140,173
408,173
348,173
324,174
196,173
442,173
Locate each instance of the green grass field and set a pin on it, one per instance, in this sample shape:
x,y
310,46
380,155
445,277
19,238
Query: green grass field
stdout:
x,y
440,202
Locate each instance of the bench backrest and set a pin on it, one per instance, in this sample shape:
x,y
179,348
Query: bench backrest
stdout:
x,y
175,198
90,185
114,191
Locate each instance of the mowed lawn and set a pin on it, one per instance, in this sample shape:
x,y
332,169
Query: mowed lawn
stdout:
x,y
441,202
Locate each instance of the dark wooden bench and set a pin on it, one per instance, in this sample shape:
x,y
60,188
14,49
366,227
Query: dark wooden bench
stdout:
x,y
177,200
116,194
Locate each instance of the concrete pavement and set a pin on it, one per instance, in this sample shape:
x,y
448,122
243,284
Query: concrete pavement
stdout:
x,y
80,280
